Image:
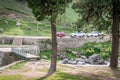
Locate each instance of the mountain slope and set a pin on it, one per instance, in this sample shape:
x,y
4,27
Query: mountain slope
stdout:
x,y
13,7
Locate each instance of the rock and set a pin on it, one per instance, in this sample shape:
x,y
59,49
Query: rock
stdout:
x,y
18,24
74,52
72,62
80,63
65,61
1,30
13,16
29,28
62,56
83,57
95,59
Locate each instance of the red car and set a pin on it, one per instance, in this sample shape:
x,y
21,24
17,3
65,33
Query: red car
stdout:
x,y
60,34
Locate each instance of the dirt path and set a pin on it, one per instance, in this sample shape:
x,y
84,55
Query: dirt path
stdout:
x,y
37,69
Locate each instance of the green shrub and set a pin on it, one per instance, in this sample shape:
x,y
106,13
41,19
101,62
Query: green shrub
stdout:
x,y
69,54
90,48
45,54
104,49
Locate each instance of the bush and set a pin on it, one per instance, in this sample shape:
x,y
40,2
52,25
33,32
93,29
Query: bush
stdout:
x,y
90,48
104,49
45,54
69,54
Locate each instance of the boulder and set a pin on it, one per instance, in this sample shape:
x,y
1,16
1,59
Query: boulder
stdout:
x,y
82,59
64,61
29,28
95,59
1,30
80,63
73,62
62,56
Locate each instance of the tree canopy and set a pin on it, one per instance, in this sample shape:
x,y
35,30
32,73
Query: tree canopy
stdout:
x,y
103,14
43,9
96,12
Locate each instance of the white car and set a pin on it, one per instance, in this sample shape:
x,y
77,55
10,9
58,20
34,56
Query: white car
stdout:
x,y
93,34
78,34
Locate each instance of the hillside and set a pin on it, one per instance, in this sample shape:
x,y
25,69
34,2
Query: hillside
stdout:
x,y
11,11
8,7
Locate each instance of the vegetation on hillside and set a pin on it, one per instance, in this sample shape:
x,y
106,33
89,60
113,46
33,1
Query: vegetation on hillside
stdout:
x,y
12,6
21,11
29,28
88,49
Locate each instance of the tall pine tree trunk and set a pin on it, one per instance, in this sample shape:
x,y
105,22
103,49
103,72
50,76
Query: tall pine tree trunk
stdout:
x,y
115,35
52,68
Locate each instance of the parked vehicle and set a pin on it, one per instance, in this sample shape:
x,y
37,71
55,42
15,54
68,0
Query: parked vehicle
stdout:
x,y
93,34
60,34
78,34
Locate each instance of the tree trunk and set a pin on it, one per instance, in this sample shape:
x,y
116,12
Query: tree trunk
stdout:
x,y
52,68
115,35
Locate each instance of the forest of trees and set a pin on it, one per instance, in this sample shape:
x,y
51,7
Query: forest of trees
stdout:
x,y
105,14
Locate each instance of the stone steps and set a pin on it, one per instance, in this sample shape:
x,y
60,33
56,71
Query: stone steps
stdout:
x,y
17,41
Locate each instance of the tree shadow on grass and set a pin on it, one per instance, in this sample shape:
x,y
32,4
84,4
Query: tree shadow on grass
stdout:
x,y
42,78
100,73
64,76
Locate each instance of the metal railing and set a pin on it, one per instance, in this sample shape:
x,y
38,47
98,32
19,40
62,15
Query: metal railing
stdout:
x,y
24,50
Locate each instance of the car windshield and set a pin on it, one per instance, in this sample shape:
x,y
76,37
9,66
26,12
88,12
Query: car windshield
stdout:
x,y
80,32
94,32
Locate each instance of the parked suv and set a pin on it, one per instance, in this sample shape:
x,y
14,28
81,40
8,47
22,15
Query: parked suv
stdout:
x,y
78,34
93,34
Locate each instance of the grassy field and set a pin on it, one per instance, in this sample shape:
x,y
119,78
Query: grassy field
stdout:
x,y
29,28
11,5
55,76
64,76
39,70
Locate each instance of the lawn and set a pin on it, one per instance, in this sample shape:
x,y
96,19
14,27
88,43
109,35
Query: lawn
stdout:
x,y
6,6
29,28
37,70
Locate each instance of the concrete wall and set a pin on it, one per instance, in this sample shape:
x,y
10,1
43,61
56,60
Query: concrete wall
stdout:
x,y
45,43
7,58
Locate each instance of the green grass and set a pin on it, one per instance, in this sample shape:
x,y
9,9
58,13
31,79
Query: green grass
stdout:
x,y
12,5
64,76
45,54
56,76
11,77
15,77
43,29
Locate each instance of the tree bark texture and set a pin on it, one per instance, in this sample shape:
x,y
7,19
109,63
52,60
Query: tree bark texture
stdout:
x,y
115,35
52,68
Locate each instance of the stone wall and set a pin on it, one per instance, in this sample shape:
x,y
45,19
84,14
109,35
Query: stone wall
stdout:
x,y
7,58
45,43
6,39
77,42
1,56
